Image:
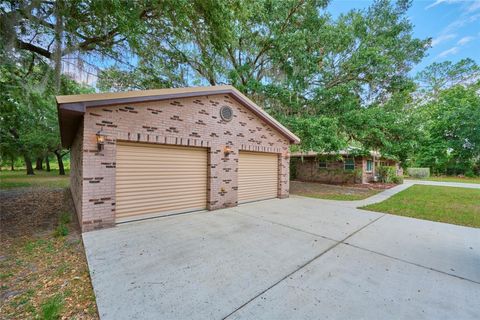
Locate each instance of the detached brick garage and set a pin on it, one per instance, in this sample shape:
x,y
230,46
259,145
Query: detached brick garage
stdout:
x,y
142,154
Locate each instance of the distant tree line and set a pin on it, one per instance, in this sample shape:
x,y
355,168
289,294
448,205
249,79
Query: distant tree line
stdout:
x,y
335,81
446,116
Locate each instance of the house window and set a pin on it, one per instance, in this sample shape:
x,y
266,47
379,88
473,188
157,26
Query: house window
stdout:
x,y
383,163
349,164
369,165
322,164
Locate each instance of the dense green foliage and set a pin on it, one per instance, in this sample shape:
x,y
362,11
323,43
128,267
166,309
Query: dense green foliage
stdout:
x,y
31,48
28,116
387,174
449,120
334,81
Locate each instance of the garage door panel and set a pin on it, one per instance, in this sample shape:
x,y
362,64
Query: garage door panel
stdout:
x,y
141,213
153,198
159,179
257,176
166,203
144,189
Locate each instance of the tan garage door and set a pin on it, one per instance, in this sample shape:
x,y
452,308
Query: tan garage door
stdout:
x,y
155,180
257,176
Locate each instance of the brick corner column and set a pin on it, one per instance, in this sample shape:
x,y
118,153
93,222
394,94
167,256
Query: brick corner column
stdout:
x,y
283,176
99,167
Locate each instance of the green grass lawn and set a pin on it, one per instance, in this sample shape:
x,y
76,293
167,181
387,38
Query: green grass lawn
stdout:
x,y
444,204
455,179
19,179
449,179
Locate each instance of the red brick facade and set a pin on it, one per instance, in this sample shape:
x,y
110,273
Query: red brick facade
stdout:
x,y
335,173
187,121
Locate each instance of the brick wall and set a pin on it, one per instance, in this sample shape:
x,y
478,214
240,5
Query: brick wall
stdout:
x,y
189,122
76,171
308,170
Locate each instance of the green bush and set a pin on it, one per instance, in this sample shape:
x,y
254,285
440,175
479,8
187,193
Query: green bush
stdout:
x,y
61,230
420,173
358,173
397,179
470,174
63,221
386,173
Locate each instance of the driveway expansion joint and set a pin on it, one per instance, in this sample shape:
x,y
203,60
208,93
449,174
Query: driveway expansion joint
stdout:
x,y
303,265
287,226
412,263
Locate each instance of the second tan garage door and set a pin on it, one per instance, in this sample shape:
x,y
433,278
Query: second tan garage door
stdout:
x,y
155,180
257,176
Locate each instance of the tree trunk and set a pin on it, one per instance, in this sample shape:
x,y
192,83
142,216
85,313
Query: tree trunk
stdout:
x,y
12,164
58,44
47,163
28,164
39,164
61,169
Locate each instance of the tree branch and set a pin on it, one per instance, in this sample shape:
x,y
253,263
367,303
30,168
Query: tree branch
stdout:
x,y
33,48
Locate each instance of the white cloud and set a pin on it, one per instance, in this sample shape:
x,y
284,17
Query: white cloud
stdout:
x,y
464,40
468,6
448,52
461,22
474,6
437,2
442,38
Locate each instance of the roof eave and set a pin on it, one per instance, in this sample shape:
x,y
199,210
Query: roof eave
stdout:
x,y
80,106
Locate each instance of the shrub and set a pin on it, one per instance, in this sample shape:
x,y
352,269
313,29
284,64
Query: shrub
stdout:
x,y
470,174
386,173
420,173
61,230
397,179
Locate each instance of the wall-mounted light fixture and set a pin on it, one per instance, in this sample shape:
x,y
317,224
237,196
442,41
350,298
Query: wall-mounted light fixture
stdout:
x,y
101,137
227,150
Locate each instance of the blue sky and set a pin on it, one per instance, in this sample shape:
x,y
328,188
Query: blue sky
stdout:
x,y
453,25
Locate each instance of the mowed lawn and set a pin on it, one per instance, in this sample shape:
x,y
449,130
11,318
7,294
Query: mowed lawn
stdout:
x,y
454,179
459,206
19,179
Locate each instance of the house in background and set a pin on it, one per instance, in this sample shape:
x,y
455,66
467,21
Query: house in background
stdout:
x,y
344,167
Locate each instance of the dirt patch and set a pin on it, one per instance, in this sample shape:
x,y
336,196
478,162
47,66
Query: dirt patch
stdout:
x,y
26,212
43,269
371,186
335,192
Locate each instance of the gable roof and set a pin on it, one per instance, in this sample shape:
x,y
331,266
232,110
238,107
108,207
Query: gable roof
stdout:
x,y
71,108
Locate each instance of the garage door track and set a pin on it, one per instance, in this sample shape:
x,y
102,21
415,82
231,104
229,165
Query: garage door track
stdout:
x,y
296,258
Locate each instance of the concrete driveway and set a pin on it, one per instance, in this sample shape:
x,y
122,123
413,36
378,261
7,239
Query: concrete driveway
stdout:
x,y
296,258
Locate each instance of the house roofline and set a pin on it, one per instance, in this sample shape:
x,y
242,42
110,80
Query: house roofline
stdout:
x,y
343,153
72,108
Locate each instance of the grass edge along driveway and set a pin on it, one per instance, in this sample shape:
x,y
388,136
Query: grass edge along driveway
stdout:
x,y
460,206
448,179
